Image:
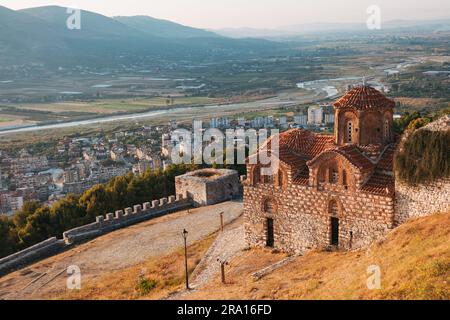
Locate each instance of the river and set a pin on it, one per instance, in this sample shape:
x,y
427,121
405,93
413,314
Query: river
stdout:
x,y
145,115
317,87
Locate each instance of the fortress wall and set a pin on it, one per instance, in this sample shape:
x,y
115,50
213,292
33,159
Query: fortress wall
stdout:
x,y
126,217
41,250
421,200
102,225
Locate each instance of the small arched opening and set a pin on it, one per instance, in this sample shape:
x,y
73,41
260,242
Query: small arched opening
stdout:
x,y
349,132
333,210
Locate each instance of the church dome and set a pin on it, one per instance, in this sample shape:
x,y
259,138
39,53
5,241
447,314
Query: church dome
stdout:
x,y
364,97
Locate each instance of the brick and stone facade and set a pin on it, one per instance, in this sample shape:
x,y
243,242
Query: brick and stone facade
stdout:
x,y
329,190
208,186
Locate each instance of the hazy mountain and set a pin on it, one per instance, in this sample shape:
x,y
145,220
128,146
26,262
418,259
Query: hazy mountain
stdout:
x,y
93,25
239,33
164,28
40,35
411,26
26,38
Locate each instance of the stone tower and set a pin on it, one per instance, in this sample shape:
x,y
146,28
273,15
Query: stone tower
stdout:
x,y
364,117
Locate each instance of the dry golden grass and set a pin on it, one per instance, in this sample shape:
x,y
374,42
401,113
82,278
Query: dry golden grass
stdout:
x,y
414,261
167,272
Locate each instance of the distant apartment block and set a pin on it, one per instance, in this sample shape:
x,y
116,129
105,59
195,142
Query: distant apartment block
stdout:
x,y
301,120
329,118
315,115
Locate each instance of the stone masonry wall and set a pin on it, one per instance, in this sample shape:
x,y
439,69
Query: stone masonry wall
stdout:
x,y
302,220
421,200
103,224
127,217
205,191
38,251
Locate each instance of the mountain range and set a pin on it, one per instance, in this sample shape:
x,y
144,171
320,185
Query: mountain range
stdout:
x,y
397,26
40,36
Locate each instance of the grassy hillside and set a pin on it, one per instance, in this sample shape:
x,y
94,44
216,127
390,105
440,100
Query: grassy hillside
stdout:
x,y
424,157
163,28
414,261
155,279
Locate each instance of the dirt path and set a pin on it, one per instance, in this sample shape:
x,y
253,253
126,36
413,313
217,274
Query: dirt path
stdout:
x,y
116,250
227,246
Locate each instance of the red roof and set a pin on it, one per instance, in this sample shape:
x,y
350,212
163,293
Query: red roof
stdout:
x,y
364,97
302,177
305,142
387,159
296,146
352,154
379,184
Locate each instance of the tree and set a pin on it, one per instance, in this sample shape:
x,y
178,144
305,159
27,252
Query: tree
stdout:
x,y
118,190
7,241
67,214
39,227
96,201
418,123
28,209
36,223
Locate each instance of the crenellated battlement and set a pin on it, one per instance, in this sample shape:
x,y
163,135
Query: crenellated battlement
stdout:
x,y
102,225
126,217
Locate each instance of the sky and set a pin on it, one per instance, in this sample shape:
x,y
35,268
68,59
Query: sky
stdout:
x,y
266,14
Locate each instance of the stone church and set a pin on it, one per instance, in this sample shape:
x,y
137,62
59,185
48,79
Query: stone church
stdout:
x,y
329,191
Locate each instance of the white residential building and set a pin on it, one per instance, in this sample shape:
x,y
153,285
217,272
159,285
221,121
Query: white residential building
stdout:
x,y
315,115
329,118
301,119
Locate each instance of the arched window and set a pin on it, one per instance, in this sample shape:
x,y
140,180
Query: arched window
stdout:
x,y
333,176
349,132
333,208
256,175
344,178
270,206
280,179
268,179
387,132
322,175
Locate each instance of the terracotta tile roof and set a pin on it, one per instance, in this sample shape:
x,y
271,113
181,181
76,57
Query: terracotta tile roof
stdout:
x,y
291,158
386,161
322,143
364,97
302,177
372,151
298,146
379,184
355,156
304,142
352,154
297,139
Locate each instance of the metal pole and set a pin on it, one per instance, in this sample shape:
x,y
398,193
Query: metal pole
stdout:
x,y
186,263
185,234
222,269
221,221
